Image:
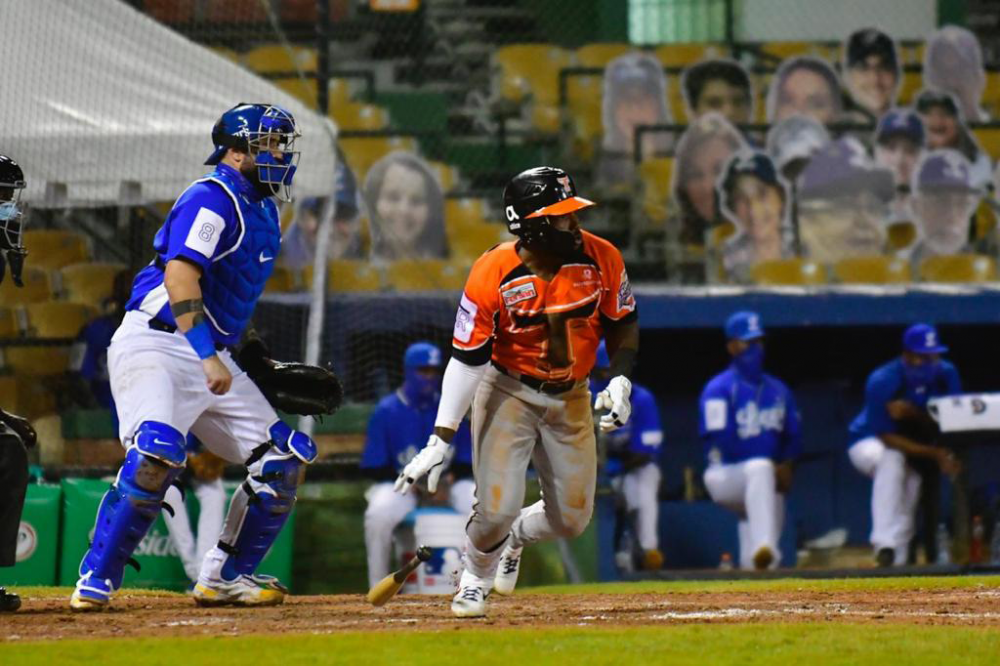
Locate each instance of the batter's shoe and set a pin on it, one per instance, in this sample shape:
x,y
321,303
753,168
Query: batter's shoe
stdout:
x,y
91,594
762,558
885,557
244,591
470,600
9,602
510,564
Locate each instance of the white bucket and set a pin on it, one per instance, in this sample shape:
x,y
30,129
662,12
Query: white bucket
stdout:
x,y
443,531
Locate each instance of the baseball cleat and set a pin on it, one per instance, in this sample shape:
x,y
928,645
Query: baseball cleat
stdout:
x,y
91,594
762,558
244,591
885,557
9,601
510,564
470,600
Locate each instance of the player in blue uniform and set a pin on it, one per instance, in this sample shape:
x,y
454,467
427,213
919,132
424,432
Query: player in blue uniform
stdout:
x,y
751,429
894,429
398,429
631,454
172,370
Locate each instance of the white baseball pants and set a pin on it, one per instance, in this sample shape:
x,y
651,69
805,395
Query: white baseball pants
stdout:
x,y
748,488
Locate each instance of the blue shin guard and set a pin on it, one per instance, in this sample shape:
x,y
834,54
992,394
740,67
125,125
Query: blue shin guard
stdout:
x,y
130,506
261,505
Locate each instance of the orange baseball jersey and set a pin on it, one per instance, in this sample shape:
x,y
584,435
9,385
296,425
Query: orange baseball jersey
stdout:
x,y
549,330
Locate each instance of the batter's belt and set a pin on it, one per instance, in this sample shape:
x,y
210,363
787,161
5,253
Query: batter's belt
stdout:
x,y
540,385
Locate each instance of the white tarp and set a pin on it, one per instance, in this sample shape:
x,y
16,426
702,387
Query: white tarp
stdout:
x,y
94,94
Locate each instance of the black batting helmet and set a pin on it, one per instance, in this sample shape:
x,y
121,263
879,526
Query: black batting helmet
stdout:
x,y
532,196
12,251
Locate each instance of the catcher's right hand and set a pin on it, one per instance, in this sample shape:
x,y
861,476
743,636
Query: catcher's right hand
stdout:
x,y
432,460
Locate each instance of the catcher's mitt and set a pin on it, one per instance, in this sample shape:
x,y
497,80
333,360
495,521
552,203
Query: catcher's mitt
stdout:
x,y
205,465
297,388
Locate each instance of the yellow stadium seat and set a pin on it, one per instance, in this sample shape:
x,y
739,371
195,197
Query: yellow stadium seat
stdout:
x,y
655,177
989,140
8,324
427,275
49,320
682,55
793,271
89,283
719,234
991,95
36,287
469,242
958,268
446,174
871,270
354,116
583,113
912,54
347,275
282,280
303,90
225,52
276,58
675,99
900,235
9,393
363,152
545,117
529,70
790,49
984,222
912,83
55,248
599,55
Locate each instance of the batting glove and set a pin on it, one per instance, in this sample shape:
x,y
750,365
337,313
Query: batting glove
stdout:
x,y
615,398
432,460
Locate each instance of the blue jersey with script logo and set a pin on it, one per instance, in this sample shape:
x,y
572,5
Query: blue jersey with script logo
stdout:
x,y
642,435
398,430
741,420
222,224
887,383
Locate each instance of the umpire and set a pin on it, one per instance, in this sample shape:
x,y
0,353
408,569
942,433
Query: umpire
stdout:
x,y
16,434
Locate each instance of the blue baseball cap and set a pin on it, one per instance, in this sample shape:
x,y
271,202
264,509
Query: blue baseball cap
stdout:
x,y
900,122
744,325
923,339
422,355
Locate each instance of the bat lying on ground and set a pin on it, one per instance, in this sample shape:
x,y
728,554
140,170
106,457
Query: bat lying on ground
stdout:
x,y
387,588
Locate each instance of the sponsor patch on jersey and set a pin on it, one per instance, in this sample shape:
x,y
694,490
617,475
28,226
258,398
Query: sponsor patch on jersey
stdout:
x,y
465,320
519,293
625,299
715,414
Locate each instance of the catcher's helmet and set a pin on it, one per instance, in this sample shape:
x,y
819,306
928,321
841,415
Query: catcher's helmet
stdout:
x,y
259,129
12,250
532,196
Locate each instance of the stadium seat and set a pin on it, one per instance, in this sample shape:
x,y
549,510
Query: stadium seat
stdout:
x,y
37,288
984,221
958,268
464,212
427,275
275,58
89,283
719,234
790,49
529,70
545,117
8,324
991,94
55,248
467,243
363,152
226,52
675,100
303,90
900,235
446,174
912,83
9,393
682,55
989,140
655,174
871,270
347,275
282,280
583,113
599,55
795,271
52,319
354,116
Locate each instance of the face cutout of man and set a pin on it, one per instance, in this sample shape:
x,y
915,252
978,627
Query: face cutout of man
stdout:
x,y
718,86
943,202
871,70
805,86
753,198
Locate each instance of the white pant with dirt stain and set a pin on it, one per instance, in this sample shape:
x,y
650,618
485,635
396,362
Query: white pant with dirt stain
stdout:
x,y
387,509
895,493
748,488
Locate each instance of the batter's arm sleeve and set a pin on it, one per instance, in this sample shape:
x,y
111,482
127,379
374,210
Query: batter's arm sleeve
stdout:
x,y
457,389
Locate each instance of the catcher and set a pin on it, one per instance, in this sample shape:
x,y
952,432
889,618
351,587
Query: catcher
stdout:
x,y
16,434
172,370
525,340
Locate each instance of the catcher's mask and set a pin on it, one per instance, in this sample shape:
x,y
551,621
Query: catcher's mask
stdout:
x,y
12,250
531,197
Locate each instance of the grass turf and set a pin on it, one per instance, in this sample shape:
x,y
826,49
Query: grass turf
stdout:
x,y
678,645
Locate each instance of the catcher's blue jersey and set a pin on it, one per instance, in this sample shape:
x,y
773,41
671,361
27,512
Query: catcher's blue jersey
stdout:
x,y
222,224
397,431
742,420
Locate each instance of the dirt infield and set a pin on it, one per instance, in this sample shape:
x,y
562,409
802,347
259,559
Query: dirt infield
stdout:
x,y
174,615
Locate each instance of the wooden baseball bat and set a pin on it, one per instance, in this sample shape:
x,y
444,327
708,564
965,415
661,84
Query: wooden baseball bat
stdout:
x,y
387,588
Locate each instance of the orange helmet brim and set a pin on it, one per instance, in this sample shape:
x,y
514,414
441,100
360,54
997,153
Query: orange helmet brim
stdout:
x,y
564,207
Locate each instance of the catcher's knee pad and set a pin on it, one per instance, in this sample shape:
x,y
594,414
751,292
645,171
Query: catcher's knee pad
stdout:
x,y
155,458
261,505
